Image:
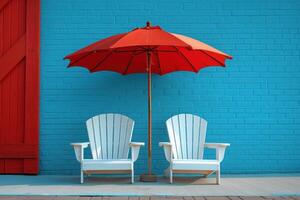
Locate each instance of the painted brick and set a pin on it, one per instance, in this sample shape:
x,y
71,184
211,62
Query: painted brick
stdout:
x,y
254,103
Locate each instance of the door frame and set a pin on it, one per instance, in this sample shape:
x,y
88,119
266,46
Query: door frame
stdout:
x,y
32,88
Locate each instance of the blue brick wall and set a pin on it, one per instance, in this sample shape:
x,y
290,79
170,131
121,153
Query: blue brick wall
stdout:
x,y
254,103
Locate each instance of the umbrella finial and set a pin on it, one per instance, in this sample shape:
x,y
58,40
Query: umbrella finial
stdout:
x,y
148,24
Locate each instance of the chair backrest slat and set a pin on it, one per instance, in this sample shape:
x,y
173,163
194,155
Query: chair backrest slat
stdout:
x,y
189,129
90,129
110,135
123,133
128,136
117,123
97,140
203,126
187,134
103,135
196,140
182,133
176,132
110,132
172,137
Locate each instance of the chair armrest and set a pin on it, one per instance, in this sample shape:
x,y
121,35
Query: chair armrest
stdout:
x,y
83,144
161,144
216,145
220,149
136,144
168,150
79,149
135,149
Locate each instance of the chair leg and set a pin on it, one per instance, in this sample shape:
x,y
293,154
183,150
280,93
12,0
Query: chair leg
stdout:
x,y
206,175
171,175
167,172
132,175
218,174
81,176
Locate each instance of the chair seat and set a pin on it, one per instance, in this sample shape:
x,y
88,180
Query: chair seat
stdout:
x,y
99,164
194,164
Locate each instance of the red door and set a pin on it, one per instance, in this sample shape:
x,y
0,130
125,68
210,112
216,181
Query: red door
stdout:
x,y
19,86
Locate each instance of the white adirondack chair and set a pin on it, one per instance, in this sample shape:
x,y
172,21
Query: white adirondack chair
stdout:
x,y
185,150
110,139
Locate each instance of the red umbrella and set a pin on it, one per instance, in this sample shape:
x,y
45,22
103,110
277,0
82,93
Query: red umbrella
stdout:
x,y
147,50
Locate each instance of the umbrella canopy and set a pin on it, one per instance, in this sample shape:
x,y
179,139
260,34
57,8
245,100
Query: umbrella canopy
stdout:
x,y
126,53
147,50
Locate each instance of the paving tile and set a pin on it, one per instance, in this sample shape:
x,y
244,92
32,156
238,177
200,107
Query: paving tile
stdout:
x,y
188,198
217,198
158,198
12,198
199,198
134,198
96,198
85,198
234,198
39,197
175,197
295,197
144,198
66,198
277,198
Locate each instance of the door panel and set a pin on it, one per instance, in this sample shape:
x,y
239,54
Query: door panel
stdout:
x,y
19,86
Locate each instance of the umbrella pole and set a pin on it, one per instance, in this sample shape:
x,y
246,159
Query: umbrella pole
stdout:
x,y
149,114
149,177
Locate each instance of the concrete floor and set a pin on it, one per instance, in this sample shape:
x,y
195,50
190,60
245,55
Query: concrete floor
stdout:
x,y
148,198
274,185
